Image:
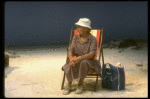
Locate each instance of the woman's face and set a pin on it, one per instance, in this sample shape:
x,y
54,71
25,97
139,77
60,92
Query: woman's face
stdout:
x,y
81,30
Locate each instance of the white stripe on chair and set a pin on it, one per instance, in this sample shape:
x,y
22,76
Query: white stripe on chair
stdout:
x,y
95,33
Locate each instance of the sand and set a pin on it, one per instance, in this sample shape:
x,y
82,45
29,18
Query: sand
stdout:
x,y
37,73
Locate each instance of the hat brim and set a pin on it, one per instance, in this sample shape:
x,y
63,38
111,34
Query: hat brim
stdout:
x,y
83,25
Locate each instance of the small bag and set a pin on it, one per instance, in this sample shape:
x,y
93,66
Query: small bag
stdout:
x,y
113,77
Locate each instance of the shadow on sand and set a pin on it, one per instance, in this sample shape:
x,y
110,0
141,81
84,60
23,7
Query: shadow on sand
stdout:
x,y
8,70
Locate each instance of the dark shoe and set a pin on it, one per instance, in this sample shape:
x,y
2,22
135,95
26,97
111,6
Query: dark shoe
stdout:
x,y
66,91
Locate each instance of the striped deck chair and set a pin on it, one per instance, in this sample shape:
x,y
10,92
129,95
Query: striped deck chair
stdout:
x,y
99,36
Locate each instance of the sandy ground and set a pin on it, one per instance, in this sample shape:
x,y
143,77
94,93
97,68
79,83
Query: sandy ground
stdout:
x,y
37,73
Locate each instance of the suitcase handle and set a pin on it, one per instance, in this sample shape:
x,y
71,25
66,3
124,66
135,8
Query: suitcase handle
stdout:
x,y
116,78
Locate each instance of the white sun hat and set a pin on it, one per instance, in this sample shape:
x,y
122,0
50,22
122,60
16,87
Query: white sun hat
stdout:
x,y
85,22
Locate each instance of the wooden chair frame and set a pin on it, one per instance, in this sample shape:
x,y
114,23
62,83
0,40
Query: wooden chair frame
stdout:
x,y
100,54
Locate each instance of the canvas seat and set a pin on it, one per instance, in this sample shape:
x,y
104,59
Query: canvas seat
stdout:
x,y
99,36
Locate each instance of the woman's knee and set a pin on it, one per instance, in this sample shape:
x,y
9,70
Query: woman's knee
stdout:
x,y
84,64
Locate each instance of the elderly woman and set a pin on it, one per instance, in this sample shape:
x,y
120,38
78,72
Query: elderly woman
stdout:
x,y
83,47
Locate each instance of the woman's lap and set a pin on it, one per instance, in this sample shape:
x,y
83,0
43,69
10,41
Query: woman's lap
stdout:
x,y
80,70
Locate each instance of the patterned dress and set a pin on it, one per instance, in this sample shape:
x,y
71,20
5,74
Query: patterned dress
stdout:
x,y
78,48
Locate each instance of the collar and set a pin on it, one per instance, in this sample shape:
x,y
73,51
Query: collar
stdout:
x,y
89,37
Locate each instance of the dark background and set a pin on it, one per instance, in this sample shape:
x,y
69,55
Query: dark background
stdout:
x,y
31,23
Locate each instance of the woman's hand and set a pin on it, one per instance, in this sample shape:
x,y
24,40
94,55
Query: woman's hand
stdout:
x,y
71,62
76,60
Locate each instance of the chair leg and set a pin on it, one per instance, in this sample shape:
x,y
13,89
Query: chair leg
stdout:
x,y
96,84
102,56
62,86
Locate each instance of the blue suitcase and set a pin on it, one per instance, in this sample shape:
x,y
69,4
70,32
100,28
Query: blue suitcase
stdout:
x,y
113,77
